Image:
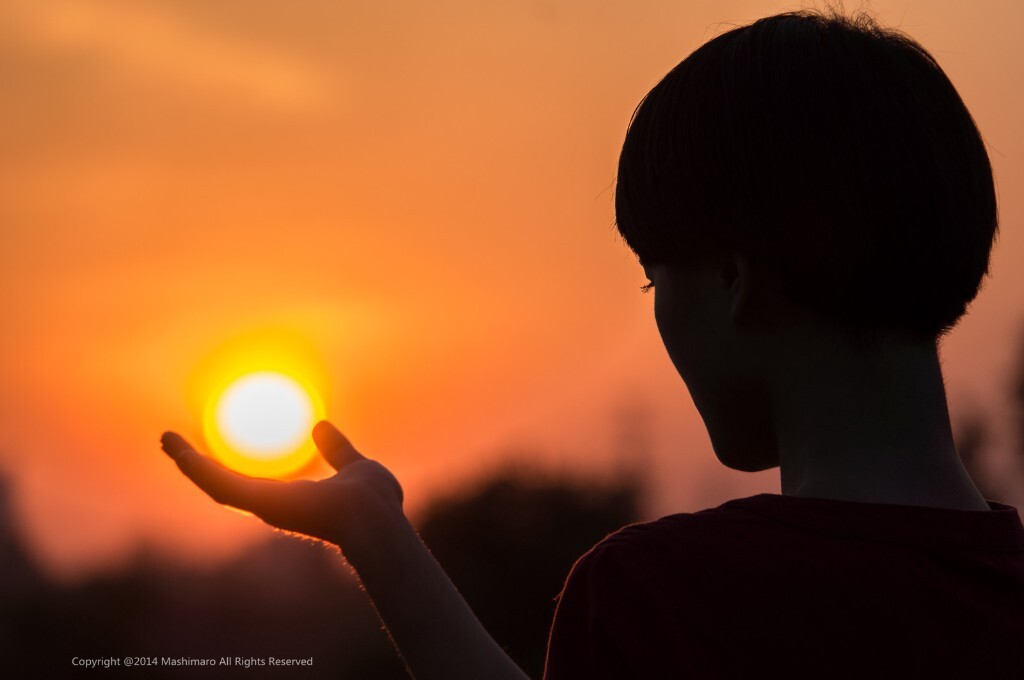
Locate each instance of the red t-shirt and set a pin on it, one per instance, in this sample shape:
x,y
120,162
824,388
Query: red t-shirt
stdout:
x,y
784,586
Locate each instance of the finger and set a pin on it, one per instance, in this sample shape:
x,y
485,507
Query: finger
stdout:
x,y
334,446
221,484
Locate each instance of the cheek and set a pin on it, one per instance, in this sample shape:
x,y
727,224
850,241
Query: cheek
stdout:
x,y
730,402
681,343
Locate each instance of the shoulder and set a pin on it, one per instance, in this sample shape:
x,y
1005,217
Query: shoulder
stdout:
x,y
636,590
684,541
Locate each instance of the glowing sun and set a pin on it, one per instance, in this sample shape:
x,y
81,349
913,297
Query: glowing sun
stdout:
x,y
260,424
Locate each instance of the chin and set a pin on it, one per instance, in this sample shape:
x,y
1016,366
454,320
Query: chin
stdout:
x,y
750,446
748,463
737,413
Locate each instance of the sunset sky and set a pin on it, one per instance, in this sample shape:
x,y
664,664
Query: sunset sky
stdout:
x,y
412,200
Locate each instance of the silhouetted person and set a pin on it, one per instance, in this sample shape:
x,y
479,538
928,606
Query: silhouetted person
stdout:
x,y
814,207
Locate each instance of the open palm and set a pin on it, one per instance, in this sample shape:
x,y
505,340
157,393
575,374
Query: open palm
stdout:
x,y
342,509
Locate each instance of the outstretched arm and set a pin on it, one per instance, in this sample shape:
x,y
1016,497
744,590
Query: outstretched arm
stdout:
x,y
359,509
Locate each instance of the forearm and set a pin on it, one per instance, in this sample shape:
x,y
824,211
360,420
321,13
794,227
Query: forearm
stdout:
x,y
434,629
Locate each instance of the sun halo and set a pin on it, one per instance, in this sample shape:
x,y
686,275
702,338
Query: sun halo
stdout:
x,y
260,422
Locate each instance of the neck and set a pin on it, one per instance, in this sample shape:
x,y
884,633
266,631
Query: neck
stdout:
x,y
868,425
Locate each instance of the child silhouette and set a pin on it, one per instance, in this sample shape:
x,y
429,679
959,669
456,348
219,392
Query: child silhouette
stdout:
x,y
814,207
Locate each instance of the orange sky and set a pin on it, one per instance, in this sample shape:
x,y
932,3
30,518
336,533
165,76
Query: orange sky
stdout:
x,y
416,195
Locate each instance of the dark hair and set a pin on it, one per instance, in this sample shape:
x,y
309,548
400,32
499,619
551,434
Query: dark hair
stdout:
x,y
834,153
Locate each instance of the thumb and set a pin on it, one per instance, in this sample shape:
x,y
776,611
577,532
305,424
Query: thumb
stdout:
x,y
334,446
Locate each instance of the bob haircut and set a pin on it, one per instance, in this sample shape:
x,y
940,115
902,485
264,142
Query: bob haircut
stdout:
x,y
834,153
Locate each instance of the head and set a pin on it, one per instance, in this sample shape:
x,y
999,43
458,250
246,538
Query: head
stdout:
x,y
812,170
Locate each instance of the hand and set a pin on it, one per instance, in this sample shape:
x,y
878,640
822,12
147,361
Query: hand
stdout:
x,y
346,509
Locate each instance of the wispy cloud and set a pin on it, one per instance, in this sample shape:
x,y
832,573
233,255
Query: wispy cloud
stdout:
x,y
156,43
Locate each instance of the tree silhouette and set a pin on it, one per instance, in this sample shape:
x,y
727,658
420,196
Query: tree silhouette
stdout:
x,y
509,542
975,442
1017,406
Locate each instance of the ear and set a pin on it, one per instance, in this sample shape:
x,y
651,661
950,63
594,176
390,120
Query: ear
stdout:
x,y
736,276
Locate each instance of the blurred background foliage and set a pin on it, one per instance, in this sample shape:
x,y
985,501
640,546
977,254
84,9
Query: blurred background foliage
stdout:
x,y
508,542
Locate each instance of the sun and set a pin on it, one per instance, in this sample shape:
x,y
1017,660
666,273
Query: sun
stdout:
x,y
260,424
